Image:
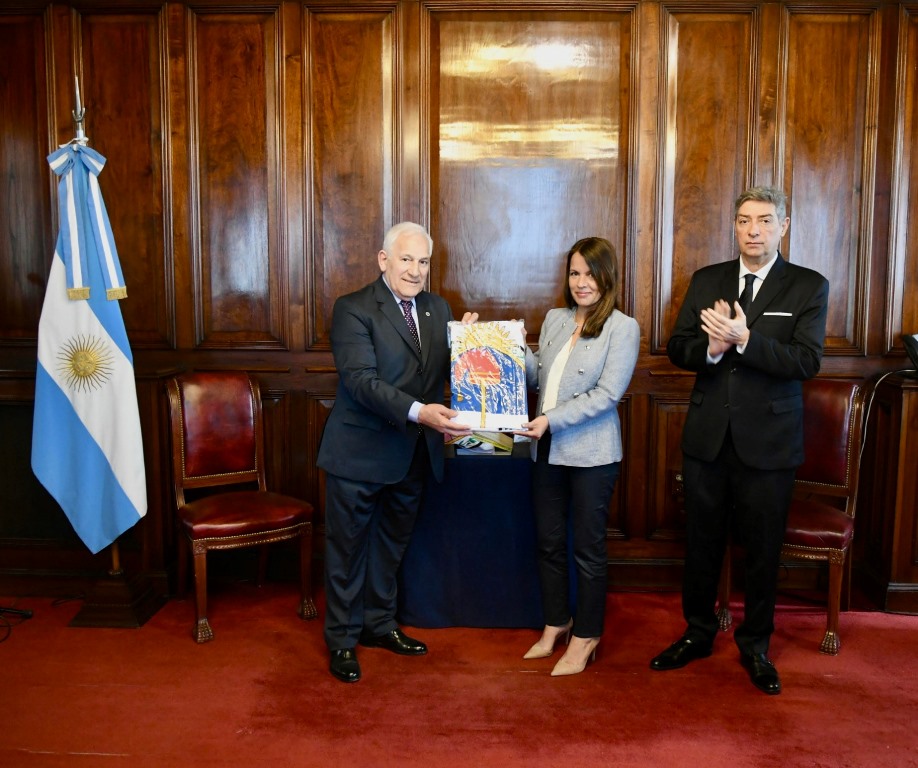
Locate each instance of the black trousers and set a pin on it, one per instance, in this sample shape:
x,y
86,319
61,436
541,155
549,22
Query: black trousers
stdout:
x,y
576,499
367,529
725,497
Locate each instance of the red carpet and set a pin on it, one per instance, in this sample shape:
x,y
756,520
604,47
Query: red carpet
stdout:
x,y
260,694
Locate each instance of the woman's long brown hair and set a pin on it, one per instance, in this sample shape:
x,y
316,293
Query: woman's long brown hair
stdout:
x,y
599,254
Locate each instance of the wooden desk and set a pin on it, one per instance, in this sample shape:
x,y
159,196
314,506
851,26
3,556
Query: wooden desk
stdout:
x,y
472,557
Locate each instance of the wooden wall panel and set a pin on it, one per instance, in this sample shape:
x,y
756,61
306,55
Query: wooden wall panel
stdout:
x,y
665,516
240,268
707,140
258,149
529,148
351,72
277,422
46,521
122,91
831,113
903,289
26,238
319,405
618,526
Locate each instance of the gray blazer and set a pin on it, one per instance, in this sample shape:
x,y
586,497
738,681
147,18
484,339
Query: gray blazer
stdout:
x,y
585,429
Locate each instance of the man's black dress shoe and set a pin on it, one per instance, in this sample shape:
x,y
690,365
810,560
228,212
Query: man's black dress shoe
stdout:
x,y
395,641
680,653
344,665
762,672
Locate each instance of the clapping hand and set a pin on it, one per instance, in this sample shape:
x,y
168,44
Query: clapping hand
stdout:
x,y
724,331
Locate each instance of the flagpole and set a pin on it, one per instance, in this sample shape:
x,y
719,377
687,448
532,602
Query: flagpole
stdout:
x,y
109,451
78,115
116,560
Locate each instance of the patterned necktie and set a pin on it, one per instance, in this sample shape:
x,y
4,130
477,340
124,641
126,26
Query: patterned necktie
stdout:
x,y
745,298
409,318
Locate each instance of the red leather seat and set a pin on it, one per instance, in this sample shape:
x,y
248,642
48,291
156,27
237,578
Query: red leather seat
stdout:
x,y
814,525
218,448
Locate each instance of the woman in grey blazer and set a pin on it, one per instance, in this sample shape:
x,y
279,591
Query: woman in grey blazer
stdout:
x,y
587,353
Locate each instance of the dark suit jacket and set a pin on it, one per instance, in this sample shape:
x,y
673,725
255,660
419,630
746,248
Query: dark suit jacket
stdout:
x,y
758,395
368,437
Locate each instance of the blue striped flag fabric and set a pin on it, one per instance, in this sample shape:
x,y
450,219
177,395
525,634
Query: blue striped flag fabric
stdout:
x,y
87,447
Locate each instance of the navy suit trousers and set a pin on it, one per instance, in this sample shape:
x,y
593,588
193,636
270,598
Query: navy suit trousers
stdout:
x,y
367,529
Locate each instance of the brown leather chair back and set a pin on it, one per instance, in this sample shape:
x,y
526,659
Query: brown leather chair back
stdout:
x,y
217,427
832,426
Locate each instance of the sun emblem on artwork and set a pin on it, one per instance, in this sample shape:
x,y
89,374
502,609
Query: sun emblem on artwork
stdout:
x,y
85,362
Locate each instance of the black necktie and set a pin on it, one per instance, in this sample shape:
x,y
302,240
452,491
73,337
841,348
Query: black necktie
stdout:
x,y
745,298
409,318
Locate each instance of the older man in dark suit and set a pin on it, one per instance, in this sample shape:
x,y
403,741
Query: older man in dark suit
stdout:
x,y
390,346
743,436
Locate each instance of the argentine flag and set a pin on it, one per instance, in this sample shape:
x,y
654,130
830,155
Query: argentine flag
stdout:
x,y
87,448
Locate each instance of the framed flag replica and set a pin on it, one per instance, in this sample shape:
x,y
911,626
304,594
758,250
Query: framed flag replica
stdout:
x,y
488,375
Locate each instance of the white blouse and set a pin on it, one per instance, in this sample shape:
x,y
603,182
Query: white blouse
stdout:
x,y
553,380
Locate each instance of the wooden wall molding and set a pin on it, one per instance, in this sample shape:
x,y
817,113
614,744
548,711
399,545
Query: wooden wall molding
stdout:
x,y
257,152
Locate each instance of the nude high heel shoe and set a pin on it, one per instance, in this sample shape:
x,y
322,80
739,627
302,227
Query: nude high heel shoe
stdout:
x,y
540,651
570,666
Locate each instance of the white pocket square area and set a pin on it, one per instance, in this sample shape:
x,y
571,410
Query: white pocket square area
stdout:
x,y
779,314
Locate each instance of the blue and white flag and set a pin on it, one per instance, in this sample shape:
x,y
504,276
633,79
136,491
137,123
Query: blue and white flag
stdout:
x,y
87,448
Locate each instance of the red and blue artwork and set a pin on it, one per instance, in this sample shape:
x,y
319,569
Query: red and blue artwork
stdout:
x,y
488,374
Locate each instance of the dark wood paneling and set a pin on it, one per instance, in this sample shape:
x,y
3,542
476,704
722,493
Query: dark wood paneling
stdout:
x,y
319,405
903,288
618,525
665,515
26,240
39,549
529,119
886,544
277,422
831,113
46,522
351,71
258,149
240,270
122,91
706,142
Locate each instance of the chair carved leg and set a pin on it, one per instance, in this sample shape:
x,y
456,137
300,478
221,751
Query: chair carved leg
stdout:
x,y
307,609
202,632
831,643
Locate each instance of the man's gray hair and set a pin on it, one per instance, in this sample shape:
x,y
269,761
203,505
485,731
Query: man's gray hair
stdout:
x,y
771,195
405,228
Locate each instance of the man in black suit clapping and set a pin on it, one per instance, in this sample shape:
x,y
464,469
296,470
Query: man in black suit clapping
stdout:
x,y
743,435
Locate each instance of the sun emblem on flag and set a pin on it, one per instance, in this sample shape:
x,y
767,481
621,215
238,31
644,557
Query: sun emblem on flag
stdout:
x,y
85,362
